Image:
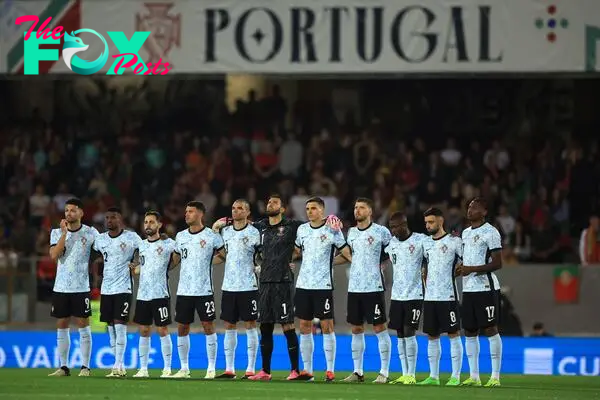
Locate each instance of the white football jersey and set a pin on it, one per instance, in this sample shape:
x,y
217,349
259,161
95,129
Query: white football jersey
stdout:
x,y
117,252
478,245
73,270
318,247
241,247
442,255
154,269
365,270
407,259
196,251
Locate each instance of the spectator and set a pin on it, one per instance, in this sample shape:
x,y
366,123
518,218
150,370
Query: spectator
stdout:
x,y
450,155
589,243
291,156
207,197
61,197
544,245
38,206
539,330
505,221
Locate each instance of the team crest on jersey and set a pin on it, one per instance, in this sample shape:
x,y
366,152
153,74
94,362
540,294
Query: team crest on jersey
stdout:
x,y
123,246
159,251
476,238
83,241
444,248
371,239
280,231
245,240
202,243
411,248
323,237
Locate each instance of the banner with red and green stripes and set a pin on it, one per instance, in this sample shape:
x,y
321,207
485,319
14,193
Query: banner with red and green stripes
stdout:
x,y
65,13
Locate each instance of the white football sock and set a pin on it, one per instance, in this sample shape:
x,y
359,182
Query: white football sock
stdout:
x,y
85,344
472,349
496,353
358,352
120,344
166,348
144,349
412,348
434,353
330,347
402,355
183,350
307,346
456,354
252,343
63,342
385,351
229,345
111,337
211,351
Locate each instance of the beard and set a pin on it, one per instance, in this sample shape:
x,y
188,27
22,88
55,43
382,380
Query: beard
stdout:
x,y
433,231
150,232
273,213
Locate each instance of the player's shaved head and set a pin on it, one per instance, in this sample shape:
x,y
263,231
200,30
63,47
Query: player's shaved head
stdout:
x,y
240,210
399,225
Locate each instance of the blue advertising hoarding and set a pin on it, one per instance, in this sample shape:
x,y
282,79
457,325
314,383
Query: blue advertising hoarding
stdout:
x,y
541,356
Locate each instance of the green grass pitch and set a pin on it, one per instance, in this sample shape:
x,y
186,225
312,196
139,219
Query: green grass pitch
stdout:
x,y
33,384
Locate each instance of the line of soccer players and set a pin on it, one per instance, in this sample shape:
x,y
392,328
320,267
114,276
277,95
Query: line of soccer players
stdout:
x,y
258,286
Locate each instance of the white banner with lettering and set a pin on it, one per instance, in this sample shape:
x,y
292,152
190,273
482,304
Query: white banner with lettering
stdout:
x,y
348,36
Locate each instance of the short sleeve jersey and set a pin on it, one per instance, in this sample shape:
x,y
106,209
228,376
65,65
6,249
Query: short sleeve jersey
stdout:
x,y
407,260
478,246
73,270
318,247
117,252
241,247
196,251
442,254
367,247
154,269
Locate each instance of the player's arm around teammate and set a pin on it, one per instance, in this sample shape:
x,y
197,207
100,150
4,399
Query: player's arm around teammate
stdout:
x,y
195,293
316,242
153,304
366,290
441,307
406,255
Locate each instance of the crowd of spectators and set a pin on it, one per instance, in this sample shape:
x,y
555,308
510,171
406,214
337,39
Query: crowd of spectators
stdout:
x,y
533,188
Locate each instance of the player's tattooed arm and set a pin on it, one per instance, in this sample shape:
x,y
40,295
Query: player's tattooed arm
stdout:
x,y
219,257
175,260
344,257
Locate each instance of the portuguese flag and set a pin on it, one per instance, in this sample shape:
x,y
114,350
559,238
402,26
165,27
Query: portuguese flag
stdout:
x,y
566,284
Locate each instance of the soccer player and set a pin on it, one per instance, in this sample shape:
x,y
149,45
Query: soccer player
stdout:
x,y
441,308
118,248
406,253
366,300
195,294
156,258
275,300
70,247
239,299
481,290
317,242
